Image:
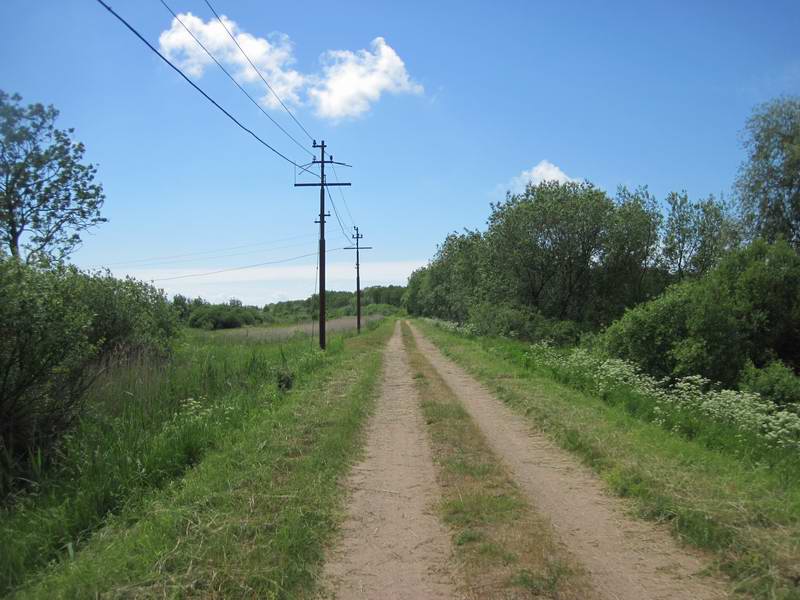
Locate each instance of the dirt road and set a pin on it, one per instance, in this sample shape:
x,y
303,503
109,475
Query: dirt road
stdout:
x,y
626,559
393,545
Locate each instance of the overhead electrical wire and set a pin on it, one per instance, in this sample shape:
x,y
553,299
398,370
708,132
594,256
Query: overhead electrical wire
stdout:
x,y
233,79
341,193
196,87
262,264
274,93
217,256
200,253
336,212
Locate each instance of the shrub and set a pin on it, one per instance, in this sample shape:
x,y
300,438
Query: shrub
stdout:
x,y
520,322
224,316
58,327
775,382
747,308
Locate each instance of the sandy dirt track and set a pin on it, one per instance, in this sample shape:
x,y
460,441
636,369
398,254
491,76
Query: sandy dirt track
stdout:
x,y
392,545
626,559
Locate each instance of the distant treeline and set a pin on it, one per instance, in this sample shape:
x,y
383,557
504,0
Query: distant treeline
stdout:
x,y
202,314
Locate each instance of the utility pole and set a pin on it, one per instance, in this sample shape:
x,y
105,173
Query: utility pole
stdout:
x,y
322,214
358,248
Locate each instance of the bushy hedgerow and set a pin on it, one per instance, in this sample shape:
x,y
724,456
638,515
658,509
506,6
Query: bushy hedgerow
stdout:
x,y
747,309
225,316
775,381
521,322
58,326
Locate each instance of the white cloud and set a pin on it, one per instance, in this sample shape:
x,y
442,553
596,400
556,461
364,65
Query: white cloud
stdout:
x,y
543,171
350,82
353,81
272,55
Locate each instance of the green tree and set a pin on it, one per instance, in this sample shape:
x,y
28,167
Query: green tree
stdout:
x,y
769,180
47,195
697,234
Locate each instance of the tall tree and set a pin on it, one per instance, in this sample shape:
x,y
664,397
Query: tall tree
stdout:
x,y
769,179
47,195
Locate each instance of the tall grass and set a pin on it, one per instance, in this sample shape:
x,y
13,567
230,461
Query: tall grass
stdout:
x,y
147,421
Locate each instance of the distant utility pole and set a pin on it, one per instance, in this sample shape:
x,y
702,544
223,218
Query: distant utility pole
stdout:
x,y
322,214
358,248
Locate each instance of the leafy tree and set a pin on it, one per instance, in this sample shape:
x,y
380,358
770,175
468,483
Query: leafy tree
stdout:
x,y
47,195
630,268
769,179
182,306
542,247
697,234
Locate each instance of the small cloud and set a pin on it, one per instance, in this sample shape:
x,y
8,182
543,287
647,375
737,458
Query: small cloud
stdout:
x,y
541,172
353,81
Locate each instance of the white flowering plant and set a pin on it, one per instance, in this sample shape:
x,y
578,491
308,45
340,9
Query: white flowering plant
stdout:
x,y
691,406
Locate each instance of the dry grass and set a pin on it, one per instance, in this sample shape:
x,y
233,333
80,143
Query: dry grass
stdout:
x,y
504,548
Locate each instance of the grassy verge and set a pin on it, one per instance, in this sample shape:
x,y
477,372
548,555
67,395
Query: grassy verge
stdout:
x,y
505,549
748,515
250,518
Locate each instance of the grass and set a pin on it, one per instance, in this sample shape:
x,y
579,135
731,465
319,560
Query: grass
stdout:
x,y
747,514
504,548
238,491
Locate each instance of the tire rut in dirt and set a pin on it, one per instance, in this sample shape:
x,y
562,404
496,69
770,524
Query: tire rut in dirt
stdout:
x,y
626,559
392,544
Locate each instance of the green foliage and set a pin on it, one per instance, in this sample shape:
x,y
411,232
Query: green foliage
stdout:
x,y
59,328
769,179
697,234
568,252
515,322
225,316
775,382
746,309
47,195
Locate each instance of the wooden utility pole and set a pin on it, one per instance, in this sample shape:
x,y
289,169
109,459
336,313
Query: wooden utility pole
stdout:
x,y
322,214
358,248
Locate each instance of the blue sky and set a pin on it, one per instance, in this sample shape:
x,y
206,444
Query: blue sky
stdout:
x,y
632,93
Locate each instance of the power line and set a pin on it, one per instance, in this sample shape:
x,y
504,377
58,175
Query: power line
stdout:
x,y
217,256
199,253
263,264
336,212
274,93
233,79
196,87
341,193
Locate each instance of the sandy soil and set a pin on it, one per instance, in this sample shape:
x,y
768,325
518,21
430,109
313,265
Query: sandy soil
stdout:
x,y
626,559
393,545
